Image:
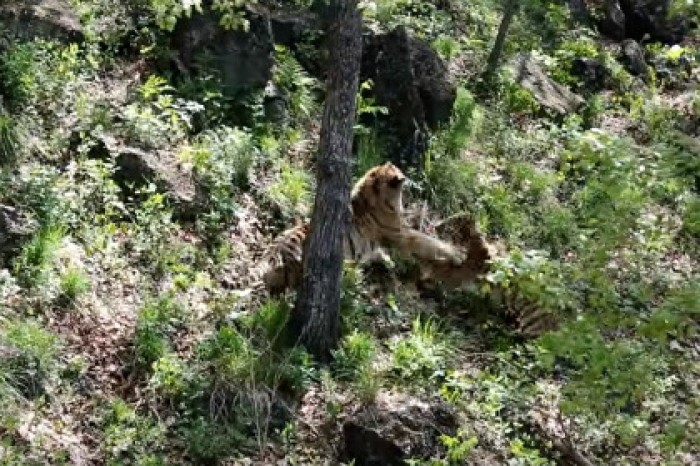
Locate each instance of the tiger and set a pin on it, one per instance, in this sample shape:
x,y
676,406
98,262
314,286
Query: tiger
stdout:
x,y
529,318
376,210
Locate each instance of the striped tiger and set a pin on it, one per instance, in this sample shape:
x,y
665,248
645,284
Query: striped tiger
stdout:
x,y
530,318
376,222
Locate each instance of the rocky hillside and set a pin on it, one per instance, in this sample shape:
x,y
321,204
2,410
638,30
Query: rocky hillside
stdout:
x,y
151,149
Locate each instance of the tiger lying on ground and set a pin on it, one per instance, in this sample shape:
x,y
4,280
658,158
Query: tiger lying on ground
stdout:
x,y
376,210
530,319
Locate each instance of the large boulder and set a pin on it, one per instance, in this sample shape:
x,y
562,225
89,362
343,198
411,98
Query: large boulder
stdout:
x,y
548,93
137,167
409,78
48,19
243,59
593,74
412,81
637,19
632,57
397,427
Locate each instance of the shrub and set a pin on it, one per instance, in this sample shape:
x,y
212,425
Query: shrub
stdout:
x,y
297,86
357,352
422,355
73,283
292,191
158,118
156,322
33,352
34,261
131,438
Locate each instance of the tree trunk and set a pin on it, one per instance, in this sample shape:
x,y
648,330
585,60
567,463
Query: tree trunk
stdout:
x,y
316,318
510,8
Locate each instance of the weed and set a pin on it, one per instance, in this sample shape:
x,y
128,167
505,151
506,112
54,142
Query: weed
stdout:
x,y
292,191
298,87
369,153
357,351
156,322
222,160
131,438
73,283
33,352
173,379
270,320
34,261
207,441
691,217
446,46
421,355
10,146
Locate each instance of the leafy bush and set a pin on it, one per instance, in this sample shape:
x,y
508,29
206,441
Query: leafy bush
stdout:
x,y
33,351
297,86
174,380
156,323
691,216
151,231
422,355
292,191
357,351
130,437
34,262
74,282
222,160
158,118
517,99
465,124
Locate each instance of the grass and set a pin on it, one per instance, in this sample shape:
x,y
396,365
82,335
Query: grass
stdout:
x,y
74,283
598,212
292,190
422,355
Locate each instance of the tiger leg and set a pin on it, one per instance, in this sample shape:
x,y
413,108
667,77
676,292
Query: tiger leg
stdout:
x,y
427,248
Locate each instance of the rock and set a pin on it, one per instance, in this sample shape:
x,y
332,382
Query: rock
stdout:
x,y
137,167
579,11
612,23
243,59
395,428
593,74
410,80
548,93
48,19
368,448
289,28
637,19
674,70
651,17
16,227
632,57
275,104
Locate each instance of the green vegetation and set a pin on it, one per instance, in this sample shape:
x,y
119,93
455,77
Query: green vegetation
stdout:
x,y
131,331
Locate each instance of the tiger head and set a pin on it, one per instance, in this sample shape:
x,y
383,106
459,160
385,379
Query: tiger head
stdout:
x,y
379,191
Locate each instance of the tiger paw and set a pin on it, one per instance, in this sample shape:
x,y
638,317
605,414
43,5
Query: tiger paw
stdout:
x,y
457,259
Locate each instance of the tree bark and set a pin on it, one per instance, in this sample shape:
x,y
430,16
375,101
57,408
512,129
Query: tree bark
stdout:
x,y
510,8
316,318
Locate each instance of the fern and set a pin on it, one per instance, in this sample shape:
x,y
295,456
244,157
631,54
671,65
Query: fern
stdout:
x,y
296,84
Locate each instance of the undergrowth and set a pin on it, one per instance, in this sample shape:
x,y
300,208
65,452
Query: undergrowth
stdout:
x,y
126,333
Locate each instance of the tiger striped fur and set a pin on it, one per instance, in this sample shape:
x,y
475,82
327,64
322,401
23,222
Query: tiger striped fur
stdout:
x,y
376,221
529,317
